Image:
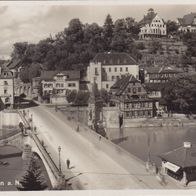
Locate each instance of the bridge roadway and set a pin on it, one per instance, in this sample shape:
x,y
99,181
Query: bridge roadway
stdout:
x,y
99,171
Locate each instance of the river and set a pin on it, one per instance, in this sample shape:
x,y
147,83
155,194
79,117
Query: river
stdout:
x,y
144,142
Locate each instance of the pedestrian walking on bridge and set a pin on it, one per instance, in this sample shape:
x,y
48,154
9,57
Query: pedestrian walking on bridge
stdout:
x,y
68,163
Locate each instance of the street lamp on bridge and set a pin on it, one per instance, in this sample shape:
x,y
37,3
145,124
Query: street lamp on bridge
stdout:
x,y
59,150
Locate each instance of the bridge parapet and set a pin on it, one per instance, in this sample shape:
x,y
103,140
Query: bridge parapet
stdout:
x,y
56,177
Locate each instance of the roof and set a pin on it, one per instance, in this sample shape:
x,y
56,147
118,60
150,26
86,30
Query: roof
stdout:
x,y
187,19
114,58
147,19
12,64
152,70
183,157
122,83
155,86
72,74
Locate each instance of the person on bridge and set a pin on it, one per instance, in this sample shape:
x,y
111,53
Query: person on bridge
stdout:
x,y
68,163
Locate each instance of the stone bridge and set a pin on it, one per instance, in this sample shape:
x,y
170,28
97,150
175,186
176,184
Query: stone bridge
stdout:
x,y
31,139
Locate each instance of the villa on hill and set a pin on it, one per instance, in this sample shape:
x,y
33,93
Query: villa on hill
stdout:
x,y
152,26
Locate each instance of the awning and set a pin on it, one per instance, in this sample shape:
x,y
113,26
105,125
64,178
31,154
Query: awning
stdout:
x,y
171,166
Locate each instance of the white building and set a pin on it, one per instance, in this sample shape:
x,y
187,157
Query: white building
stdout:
x,y
106,68
152,26
55,84
187,23
7,87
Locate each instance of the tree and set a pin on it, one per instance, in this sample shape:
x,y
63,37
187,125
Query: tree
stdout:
x,y
108,32
132,27
19,50
105,96
172,27
82,98
28,73
155,46
71,96
180,94
33,179
121,40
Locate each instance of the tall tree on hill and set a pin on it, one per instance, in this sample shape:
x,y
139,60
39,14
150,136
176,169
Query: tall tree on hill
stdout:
x,y
41,50
172,27
93,37
180,95
33,179
121,40
132,26
19,50
108,32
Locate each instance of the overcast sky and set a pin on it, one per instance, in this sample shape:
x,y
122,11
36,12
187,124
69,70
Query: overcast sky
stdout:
x,y
33,22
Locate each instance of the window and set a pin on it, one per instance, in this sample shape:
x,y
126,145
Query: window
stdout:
x,y
109,69
126,68
5,83
7,100
134,90
107,85
71,84
96,71
115,69
5,91
120,69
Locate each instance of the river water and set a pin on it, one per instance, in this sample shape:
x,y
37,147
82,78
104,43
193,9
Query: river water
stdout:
x,y
151,142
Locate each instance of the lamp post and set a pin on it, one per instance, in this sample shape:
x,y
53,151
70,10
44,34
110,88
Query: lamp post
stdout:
x,y
59,150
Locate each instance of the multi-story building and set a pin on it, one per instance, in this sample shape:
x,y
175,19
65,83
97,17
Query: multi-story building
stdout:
x,y
187,23
106,68
7,87
131,98
155,80
152,26
55,84
160,74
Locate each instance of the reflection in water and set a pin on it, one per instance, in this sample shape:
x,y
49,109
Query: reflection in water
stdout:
x,y
144,141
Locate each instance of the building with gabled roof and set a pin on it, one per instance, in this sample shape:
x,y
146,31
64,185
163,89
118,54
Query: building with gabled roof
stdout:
x,y
187,23
180,163
152,26
131,98
106,68
55,84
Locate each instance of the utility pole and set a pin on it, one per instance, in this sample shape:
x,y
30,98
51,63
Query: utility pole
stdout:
x,y
59,150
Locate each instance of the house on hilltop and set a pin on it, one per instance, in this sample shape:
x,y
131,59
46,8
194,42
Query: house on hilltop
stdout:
x,y
152,26
187,23
106,68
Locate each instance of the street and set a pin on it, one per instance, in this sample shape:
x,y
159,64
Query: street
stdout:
x,y
98,170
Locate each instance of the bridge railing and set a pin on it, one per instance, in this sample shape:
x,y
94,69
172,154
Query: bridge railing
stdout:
x,y
48,159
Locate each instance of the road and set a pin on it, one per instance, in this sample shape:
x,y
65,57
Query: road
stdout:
x,y
98,170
